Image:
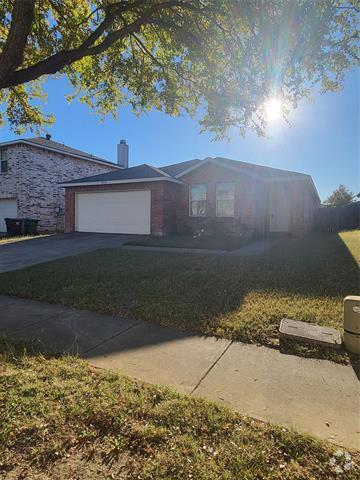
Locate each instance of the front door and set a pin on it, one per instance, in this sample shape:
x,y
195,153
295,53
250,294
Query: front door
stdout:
x,y
279,209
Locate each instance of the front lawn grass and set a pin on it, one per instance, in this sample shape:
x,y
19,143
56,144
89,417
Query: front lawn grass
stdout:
x,y
63,419
19,238
237,297
202,241
352,241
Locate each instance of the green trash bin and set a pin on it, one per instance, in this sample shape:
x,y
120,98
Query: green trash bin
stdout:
x,y
31,226
14,226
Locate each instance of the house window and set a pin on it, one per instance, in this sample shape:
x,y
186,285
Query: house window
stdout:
x,y
3,161
197,200
225,199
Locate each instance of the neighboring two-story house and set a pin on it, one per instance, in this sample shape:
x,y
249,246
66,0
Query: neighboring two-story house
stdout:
x,y
30,173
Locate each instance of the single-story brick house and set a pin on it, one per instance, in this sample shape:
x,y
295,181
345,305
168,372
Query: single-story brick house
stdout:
x,y
214,195
30,172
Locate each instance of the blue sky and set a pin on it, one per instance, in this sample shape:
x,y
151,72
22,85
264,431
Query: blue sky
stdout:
x,y
323,139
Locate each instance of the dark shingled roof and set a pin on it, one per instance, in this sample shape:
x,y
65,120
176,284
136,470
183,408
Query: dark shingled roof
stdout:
x,y
251,168
132,173
178,168
261,170
60,147
170,172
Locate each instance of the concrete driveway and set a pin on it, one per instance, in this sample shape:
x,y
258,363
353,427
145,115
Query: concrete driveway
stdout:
x,y
44,249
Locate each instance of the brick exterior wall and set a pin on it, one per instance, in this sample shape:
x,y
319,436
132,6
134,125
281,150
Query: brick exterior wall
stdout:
x,y
248,191
252,200
163,203
33,177
303,207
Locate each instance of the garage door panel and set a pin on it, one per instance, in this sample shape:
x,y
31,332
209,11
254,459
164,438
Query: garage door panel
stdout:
x,y
113,212
8,209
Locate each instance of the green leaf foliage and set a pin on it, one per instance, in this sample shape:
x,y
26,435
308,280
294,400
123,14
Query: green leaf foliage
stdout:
x,y
219,59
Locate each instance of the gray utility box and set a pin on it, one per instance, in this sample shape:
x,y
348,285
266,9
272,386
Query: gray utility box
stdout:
x,y
352,323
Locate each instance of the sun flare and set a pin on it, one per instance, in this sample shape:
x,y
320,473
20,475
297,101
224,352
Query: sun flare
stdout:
x,y
273,109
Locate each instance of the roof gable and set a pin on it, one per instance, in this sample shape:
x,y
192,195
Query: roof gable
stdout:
x,y
251,169
177,168
259,172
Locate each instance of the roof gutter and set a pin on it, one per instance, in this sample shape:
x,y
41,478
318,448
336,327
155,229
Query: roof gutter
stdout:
x,y
116,182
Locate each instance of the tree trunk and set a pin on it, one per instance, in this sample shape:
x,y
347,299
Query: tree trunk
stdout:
x,y
13,52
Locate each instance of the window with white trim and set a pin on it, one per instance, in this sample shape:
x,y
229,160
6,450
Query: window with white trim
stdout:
x,y
225,199
3,161
197,200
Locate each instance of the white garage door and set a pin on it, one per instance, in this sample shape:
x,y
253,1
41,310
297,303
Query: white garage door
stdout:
x,y
8,209
113,212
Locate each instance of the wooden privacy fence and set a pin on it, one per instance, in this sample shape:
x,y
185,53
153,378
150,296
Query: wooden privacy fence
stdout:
x,y
335,219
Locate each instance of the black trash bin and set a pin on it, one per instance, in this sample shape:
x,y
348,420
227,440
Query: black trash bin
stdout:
x,y
31,226
14,226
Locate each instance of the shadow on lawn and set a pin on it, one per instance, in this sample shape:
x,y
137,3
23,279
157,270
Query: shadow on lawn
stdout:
x,y
202,294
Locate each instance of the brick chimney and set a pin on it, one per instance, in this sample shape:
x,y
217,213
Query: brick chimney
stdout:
x,y
123,154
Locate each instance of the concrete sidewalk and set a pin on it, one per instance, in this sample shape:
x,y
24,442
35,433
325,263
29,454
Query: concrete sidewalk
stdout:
x,y
207,251
257,247
313,396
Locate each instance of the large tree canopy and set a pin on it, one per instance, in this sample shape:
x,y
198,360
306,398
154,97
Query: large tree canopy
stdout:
x,y
223,58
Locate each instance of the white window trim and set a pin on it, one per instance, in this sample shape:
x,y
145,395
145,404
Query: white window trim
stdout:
x,y
216,200
189,199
